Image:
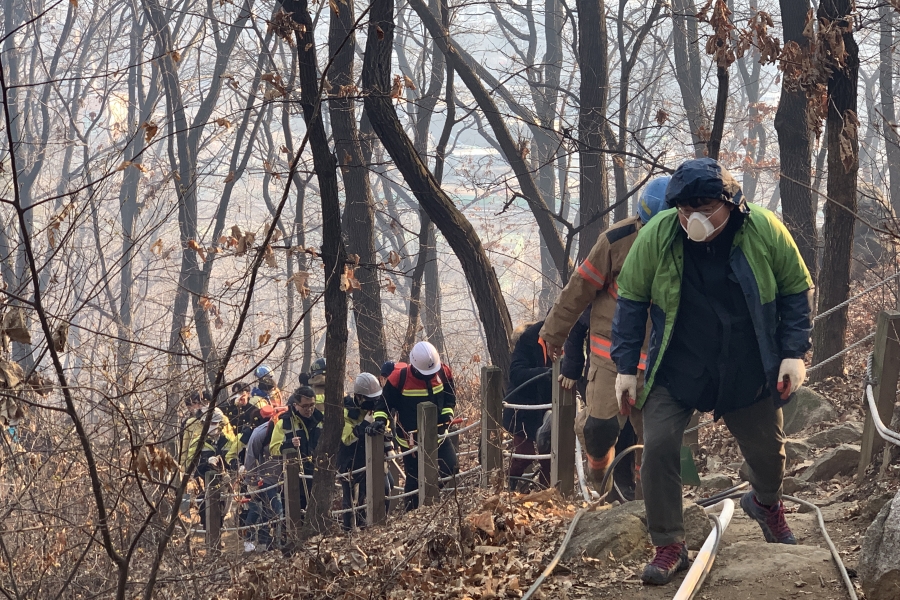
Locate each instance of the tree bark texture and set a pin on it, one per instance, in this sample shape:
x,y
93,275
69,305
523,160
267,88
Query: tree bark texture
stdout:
x,y
718,128
688,71
334,255
886,80
359,214
593,62
795,148
456,229
834,282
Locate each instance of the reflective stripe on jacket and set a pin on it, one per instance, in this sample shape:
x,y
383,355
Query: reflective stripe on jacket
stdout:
x,y
595,284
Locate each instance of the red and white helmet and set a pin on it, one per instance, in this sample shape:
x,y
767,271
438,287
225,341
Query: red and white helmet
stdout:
x,y
425,358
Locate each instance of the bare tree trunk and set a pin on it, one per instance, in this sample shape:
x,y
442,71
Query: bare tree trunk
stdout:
x,y
795,148
715,137
511,151
359,214
886,79
458,232
593,62
841,124
334,255
687,71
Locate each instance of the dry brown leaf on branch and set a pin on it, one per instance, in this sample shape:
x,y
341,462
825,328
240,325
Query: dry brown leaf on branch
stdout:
x,y
150,131
245,242
390,285
186,333
353,259
14,325
661,117
125,164
409,83
393,258
219,323
849,155
299,280
157,247
56,222
193,245
264,338
269,257
397,87
205,303
275,80
60,337
236,232
223,122
176,56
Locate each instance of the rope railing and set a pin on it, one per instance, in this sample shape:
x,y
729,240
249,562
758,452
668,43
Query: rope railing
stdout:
x,y
838,307
855,344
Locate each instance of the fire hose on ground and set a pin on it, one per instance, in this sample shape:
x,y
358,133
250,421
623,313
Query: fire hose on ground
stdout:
x,y
707,555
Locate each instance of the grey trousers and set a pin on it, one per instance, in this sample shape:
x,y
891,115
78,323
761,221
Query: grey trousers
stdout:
x,y
759,434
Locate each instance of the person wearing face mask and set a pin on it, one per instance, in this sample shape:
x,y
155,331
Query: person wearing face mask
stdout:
x,y
594,284
358,422
729,302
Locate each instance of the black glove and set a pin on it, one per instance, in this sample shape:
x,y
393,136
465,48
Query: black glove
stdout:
x,y
376,428
359,430
444,419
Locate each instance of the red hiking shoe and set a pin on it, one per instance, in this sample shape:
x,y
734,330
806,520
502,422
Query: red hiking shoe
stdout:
x,y
668,561
770,518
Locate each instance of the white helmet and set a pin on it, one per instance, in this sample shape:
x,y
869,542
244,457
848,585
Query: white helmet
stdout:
x,y
425,358
367,385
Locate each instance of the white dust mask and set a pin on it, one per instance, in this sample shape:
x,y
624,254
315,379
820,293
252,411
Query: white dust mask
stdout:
x,y
699,228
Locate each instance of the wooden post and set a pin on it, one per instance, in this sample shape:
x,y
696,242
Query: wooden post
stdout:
x,y
427,453
562,461
293,507
374,479
885,370
212,496
491,423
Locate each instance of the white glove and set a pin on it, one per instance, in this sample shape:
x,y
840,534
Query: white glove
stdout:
x,y
213,460
795,371
566,383
241,470
626,392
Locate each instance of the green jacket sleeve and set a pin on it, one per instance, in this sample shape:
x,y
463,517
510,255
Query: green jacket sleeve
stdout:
x,y
791,274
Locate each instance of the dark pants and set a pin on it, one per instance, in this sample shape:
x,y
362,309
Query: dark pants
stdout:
x,y
517,466
266,507
757,429
447,466
347,501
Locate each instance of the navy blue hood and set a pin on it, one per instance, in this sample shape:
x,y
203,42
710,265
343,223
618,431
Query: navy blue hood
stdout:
x,y
703,178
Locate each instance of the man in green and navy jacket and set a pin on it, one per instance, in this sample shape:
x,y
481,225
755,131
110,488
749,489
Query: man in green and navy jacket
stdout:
x,y
728,298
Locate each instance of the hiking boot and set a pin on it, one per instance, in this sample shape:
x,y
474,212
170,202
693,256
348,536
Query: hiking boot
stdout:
x,y
668,561
597,469
770,518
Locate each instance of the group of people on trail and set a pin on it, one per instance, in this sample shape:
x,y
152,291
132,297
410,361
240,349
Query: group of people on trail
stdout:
x,y
255,431
700,302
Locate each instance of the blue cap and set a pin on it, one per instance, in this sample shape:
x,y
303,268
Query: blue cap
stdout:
x,y
653,198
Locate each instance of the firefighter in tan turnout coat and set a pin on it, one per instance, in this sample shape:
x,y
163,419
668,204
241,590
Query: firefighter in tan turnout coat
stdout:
x,y
594,283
